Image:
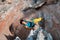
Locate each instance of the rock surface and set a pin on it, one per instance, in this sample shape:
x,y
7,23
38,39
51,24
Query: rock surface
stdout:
x,y
51,13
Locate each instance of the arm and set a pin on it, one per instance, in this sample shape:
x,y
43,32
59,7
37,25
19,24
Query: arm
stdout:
x,y
28,28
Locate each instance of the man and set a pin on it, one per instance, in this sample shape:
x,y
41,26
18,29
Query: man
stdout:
x,y
31,24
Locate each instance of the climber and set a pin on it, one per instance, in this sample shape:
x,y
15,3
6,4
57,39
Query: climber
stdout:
x,y
31,23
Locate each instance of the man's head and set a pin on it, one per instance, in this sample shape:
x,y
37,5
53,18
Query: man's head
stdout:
x,y
22,21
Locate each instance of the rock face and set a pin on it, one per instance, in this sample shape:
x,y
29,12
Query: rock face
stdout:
x,y
2,0
52,1
51,13
34,3
7,17
37,3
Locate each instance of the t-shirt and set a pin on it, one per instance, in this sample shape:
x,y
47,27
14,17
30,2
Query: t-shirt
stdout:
x,y
30,24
